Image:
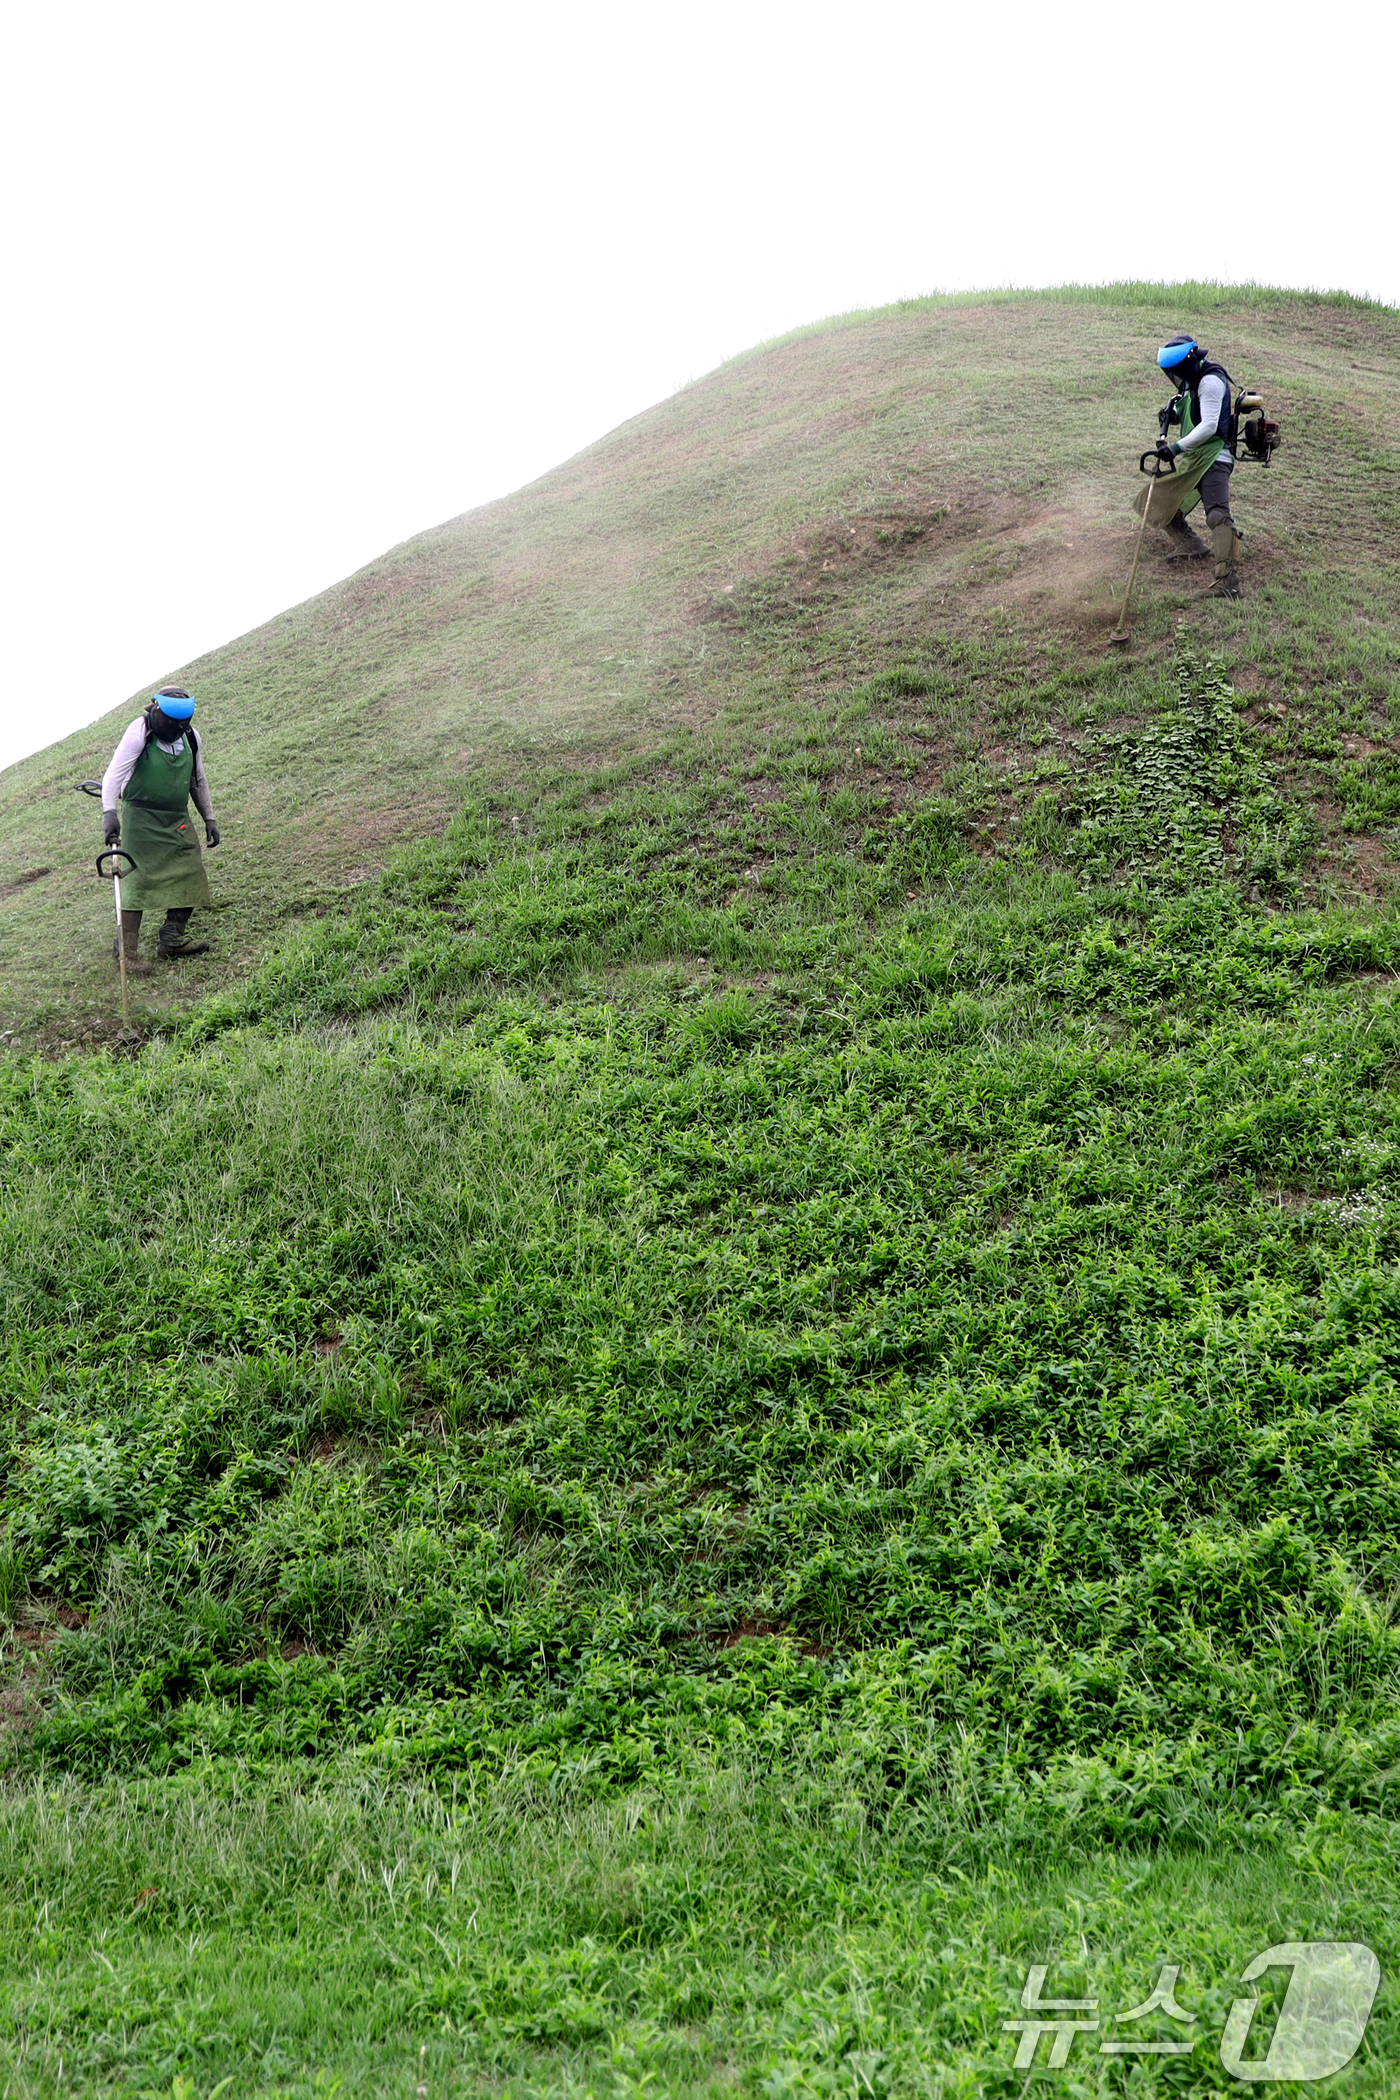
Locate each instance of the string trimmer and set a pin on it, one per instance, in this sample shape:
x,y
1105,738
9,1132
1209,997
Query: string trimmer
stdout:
x,y
114,854
1158,468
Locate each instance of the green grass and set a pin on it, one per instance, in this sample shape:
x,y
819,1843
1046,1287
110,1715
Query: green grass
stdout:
x,y
650,1453
975,1281
1193,296
953,468
701,1276
738,1933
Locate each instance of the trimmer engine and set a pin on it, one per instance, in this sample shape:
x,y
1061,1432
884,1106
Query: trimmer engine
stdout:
x,y
1259,433
1257,436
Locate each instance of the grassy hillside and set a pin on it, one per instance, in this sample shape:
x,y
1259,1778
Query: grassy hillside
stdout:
x,y
652,1450
935,468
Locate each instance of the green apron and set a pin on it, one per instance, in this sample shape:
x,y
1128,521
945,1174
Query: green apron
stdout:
x,y
158,833
1169,494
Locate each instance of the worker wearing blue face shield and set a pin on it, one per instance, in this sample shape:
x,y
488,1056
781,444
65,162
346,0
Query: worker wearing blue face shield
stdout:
x,y
157,770
1203,459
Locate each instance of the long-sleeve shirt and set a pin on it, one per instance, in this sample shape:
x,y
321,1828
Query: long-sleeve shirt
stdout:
x,y
123,764
1213,394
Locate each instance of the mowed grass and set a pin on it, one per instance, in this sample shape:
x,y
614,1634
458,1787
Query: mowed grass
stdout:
x,y
760,1387
936,468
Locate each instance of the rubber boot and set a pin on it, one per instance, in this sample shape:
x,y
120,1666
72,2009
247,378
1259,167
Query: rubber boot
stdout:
x,y
131,934
1226,542
171,942
1186,544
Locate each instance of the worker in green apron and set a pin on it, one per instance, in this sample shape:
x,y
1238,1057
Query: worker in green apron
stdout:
x,y
1202,459
157,770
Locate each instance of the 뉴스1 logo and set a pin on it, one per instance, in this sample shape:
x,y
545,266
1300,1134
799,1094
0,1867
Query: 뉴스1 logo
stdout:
x,y
1331,1989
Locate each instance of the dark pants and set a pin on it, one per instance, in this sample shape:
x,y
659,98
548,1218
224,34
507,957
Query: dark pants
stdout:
x,y
1214,486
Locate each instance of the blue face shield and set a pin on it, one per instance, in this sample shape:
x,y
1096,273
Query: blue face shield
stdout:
x,y
1175,356
176,707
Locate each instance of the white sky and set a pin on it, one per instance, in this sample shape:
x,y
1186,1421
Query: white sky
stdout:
x,y
285,283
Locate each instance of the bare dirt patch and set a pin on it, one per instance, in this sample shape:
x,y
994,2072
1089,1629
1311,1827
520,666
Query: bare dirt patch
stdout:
x,y
19,1710
757,1628
964,558
820,559
21,882
1363,860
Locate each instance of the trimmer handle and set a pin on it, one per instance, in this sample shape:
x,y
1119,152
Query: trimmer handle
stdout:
x,y
1158,467
115,853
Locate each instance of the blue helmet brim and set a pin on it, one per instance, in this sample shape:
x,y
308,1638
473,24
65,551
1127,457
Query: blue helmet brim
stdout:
x,y
1173,355
176,707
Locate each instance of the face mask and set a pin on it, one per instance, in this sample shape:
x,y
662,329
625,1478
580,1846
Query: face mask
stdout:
x,y
167,732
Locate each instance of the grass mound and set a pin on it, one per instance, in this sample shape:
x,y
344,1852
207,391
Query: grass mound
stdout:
x,y
950,470
758,1389
963,1303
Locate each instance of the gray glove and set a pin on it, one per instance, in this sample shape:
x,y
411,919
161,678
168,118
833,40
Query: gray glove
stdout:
x,y
111,827
211,831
